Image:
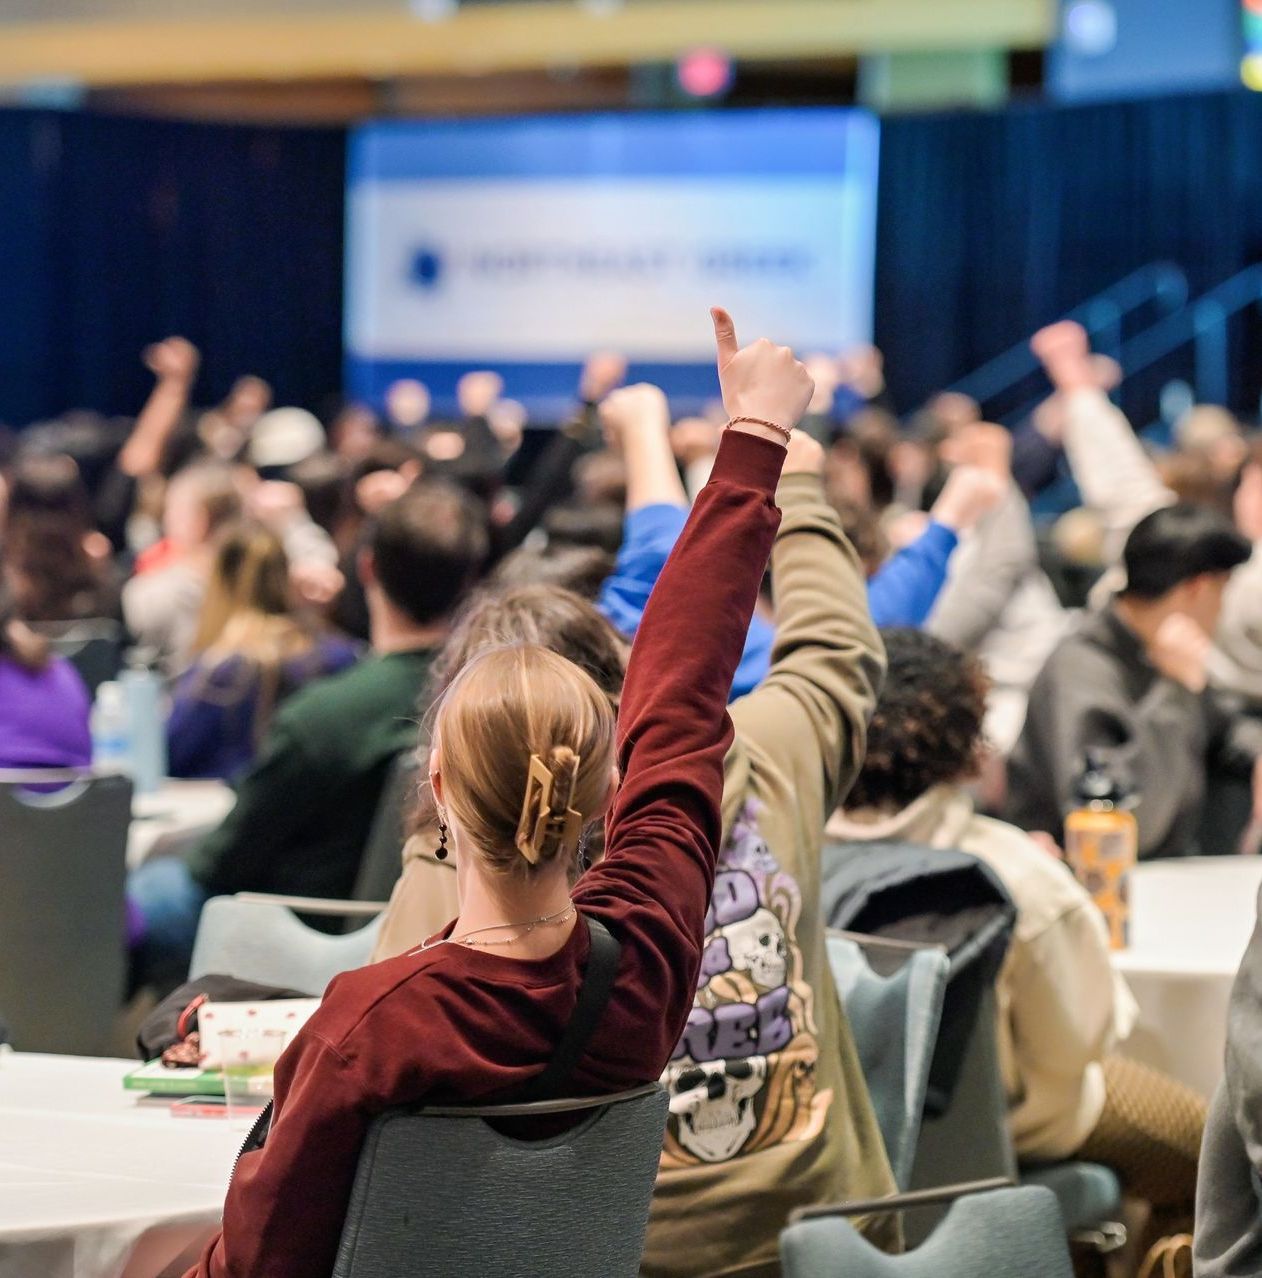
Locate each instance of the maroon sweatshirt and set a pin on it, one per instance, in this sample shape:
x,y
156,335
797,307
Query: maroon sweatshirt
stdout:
x,y
456,1024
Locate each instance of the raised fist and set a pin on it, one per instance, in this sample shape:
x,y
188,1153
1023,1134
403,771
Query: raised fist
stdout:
x,y
692,438
824,374
603,372
174,360
639,407
762,380
968,496
1180,650
981,444
1065,352
476,393
805,455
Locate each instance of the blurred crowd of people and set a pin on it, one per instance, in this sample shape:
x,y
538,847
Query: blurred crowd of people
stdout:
x,y
307,589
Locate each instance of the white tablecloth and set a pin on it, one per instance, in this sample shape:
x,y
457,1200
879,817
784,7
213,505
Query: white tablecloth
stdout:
x,y
93,1183
1190,922
179,810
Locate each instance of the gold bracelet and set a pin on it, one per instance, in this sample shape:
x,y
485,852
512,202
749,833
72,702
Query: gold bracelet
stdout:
x,y
758,421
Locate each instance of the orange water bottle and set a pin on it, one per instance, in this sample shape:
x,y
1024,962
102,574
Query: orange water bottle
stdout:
x,y
1102,843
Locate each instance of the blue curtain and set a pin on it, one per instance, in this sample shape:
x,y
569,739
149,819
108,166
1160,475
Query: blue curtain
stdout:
x,y
121,231
992,224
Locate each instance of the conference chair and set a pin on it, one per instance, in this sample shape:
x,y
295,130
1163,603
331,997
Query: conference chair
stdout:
x,y
971,1140
256,937
94,646
445,1190
63,955
894,1020
382,861
998,1232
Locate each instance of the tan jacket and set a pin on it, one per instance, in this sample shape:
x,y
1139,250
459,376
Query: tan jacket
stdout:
x,y
1062,1008
769,1107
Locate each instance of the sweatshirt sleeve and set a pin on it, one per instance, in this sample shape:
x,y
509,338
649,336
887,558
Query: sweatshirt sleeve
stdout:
x,y
904,589
1113,473
654,883
810,714
283,1213
985,574
1064,1008
649,534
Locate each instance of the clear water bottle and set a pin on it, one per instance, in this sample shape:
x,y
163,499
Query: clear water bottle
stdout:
x,y
147,740
111,730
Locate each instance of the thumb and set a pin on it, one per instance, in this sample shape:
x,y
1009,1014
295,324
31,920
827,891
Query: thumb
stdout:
x,y
724,335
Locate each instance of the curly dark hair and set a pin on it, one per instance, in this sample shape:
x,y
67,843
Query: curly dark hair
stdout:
x,y
927,727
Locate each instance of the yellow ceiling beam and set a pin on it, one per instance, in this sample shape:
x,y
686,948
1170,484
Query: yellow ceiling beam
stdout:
x,y
379,44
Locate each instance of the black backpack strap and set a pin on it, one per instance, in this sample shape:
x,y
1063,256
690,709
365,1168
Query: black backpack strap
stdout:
x,y
593,997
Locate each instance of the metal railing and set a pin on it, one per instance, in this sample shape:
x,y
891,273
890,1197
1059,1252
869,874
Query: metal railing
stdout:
x,y
1160,284
1204,324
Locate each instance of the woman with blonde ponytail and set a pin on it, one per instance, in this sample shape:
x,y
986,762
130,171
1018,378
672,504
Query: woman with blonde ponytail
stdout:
x,y
525,757
252,651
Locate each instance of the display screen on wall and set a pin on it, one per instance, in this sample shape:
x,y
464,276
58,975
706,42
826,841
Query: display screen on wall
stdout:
x,y
524,245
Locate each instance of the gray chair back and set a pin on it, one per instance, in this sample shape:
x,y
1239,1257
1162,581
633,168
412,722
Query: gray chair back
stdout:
x,y
94,647
1008,1233
382,861
894,1020
261,939
971,1141
440,1191
63,958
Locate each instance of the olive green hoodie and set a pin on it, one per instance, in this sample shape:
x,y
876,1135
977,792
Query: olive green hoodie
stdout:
x,y
769,1110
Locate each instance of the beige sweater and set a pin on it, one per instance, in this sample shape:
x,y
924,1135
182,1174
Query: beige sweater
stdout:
x,y
1062,1008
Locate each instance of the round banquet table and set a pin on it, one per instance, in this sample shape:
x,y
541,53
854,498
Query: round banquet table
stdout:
x,y
1190,922
94,1183
177,813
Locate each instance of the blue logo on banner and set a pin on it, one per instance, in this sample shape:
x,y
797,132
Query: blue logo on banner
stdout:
x,y
427,268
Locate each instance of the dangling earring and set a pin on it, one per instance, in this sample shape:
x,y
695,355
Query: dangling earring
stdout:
x,y
584,861
441,852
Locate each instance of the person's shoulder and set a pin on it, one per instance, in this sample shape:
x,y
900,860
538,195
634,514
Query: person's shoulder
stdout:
x,y
70,683
1085,646
1042,887
356,1000
333,695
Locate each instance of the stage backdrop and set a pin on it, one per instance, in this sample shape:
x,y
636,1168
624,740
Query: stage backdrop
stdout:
x,y
523,245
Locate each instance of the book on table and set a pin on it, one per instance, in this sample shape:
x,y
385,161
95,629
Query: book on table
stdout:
x,y
183,1080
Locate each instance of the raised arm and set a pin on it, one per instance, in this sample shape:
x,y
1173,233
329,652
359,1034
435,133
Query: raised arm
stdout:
x,y
903,591
549,480
1113,473
673,729
809,716
174,362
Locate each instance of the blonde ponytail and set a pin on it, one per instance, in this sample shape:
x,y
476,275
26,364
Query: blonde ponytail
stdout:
x,y
526,743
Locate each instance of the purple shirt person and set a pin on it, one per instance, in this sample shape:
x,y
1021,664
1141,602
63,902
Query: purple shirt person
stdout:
x,y
43,713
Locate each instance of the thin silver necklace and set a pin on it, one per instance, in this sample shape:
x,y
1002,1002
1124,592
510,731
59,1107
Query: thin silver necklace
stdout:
x,y
528,926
